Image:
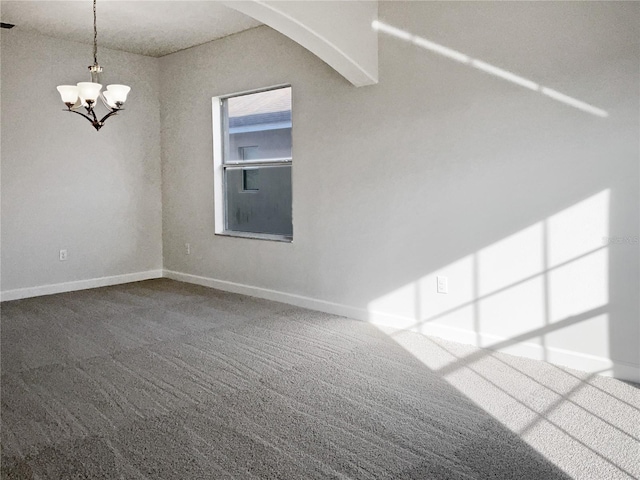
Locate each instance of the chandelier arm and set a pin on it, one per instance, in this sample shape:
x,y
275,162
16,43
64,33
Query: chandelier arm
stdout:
x,y
93,114
82,115
111,113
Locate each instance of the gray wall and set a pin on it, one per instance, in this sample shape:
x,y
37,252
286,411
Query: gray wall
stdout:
x,y
64,185
440,168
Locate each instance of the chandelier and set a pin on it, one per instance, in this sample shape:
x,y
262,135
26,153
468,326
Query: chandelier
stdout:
x,y
85,94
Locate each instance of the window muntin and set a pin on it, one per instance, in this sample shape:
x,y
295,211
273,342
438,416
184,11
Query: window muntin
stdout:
x,y
256,131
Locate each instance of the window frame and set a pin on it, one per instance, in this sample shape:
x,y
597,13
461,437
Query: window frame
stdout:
x,y
221,151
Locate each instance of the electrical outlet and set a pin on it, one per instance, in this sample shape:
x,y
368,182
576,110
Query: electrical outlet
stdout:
x,y
63,255
187,248
443,284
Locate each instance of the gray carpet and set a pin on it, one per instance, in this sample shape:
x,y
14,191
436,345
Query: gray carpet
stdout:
x,y
165,380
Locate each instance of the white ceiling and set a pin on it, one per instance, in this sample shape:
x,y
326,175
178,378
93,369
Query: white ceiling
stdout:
x,y
153,28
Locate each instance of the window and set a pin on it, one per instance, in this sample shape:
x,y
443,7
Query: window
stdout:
x,y
248,153
252,164
250,179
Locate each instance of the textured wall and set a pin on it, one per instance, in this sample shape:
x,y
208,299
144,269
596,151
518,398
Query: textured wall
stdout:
x,y
64,185
441,168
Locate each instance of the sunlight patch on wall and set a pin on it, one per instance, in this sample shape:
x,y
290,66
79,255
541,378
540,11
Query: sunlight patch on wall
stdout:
x,y
541,292
579,229
513,312
578,286
487,68
511,260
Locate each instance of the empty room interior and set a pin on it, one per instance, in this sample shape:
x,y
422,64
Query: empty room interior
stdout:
x,y
320,239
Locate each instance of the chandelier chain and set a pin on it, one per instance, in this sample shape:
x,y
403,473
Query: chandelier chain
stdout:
x,y
95,35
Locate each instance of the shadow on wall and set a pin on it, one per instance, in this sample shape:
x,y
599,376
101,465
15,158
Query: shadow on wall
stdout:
x,y
541,292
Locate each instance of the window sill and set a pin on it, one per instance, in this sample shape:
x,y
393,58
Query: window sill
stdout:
x,y
257,236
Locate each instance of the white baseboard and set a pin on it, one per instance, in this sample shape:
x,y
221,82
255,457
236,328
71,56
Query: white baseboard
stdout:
x,y
267,294
78,285
576,360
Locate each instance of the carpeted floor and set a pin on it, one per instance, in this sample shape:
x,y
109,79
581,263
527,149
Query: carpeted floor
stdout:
x,y
165,380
